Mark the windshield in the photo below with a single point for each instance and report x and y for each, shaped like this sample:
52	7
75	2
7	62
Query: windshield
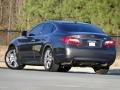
71	27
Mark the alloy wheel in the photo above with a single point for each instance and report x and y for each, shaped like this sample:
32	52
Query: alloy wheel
48	59
11	58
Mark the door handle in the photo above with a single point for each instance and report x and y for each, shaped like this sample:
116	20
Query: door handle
43	40
33	40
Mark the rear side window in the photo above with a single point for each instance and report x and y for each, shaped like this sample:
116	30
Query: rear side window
48	28
70	27
36	30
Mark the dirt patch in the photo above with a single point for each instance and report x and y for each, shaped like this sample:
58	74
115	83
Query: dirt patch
2	52
117	61
3	49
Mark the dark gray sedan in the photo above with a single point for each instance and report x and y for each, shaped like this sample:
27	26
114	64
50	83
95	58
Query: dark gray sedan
59	45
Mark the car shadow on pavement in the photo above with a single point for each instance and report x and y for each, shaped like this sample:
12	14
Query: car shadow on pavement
114	72
79	72
111	71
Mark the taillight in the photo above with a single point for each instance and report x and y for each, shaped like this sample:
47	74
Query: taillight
109	43
70	40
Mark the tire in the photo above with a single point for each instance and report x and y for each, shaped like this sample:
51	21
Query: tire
49	63
102	70
64	68
11	59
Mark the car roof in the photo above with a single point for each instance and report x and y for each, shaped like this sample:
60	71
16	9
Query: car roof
65	22
62	22
58	23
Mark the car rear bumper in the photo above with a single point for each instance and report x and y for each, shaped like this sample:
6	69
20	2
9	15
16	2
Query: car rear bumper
75	55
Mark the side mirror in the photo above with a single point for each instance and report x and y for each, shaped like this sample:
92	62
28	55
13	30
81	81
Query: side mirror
24	33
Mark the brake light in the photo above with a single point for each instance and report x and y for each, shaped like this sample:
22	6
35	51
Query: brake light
109	43
70	40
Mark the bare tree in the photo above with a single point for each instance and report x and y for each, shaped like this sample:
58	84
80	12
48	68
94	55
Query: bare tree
9	11
0	11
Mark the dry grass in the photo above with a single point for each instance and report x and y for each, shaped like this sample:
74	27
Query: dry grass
117	61
4	48
2	54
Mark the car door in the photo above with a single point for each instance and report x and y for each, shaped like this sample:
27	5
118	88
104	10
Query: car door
29	44
41	39
47	31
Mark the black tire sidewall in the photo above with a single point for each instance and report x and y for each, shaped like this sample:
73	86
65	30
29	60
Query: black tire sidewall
101	70
54	67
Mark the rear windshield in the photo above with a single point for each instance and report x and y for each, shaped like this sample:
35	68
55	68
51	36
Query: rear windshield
80	28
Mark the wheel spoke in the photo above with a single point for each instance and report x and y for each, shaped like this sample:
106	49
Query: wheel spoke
11	58
48	59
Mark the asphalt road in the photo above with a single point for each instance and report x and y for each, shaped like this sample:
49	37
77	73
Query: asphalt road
42	80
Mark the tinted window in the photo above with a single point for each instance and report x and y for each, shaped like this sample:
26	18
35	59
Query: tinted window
36	30
48	28
80	28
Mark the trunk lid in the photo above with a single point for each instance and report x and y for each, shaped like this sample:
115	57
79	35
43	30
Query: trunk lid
90	40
